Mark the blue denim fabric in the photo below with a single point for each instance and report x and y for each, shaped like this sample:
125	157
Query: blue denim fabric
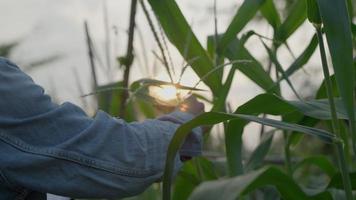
58	149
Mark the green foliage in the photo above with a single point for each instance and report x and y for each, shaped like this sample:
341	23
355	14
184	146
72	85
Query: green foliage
297	117
269	11
320	161
257	156
178	31
302	59
253	69
211	118
245	13
336	24
232	188
245	176
295	18
109	100
313	12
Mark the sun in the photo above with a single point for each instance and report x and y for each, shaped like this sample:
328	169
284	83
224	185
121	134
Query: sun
164	92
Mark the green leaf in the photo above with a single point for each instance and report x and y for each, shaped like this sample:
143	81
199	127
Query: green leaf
350	8
146	108
336	181
353	29
211	118
317	109
320	161
338	34
260	152
244	15
272	55
269	11
295	18
321	93
109	101
313	12
219	104
320	109
233	188
151	193
234	129
178	30
302	59
191	175
253	70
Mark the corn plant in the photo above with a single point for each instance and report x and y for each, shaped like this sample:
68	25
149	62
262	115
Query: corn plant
333	104
329	116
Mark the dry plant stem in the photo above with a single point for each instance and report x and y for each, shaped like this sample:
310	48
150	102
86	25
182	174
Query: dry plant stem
91	55
335	123
167	50
80	89
144	50
160	46
107	35
129	57
215	35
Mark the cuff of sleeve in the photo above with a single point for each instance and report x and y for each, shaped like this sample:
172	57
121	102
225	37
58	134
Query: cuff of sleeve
193	143
178	117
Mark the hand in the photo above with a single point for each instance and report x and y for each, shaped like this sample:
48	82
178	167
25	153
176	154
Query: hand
192	106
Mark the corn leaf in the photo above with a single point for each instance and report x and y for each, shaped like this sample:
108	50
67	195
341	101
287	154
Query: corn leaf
269	11
318	109
178	30
313	12
234	128
295	18
320	161
272	55
338	34
219	104
211	118
232	188
336	181
260	152
109	101
244	15
321	93
253	69
191	175
302	59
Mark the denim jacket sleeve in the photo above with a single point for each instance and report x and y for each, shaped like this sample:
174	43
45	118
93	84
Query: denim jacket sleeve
58	149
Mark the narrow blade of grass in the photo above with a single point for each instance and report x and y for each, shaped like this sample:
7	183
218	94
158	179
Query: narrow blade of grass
336	24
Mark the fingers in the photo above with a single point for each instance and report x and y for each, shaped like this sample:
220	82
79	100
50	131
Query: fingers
192	105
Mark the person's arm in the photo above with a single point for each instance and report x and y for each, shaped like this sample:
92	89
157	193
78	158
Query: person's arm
58	149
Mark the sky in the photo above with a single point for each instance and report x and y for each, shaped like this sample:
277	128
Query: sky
49	27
